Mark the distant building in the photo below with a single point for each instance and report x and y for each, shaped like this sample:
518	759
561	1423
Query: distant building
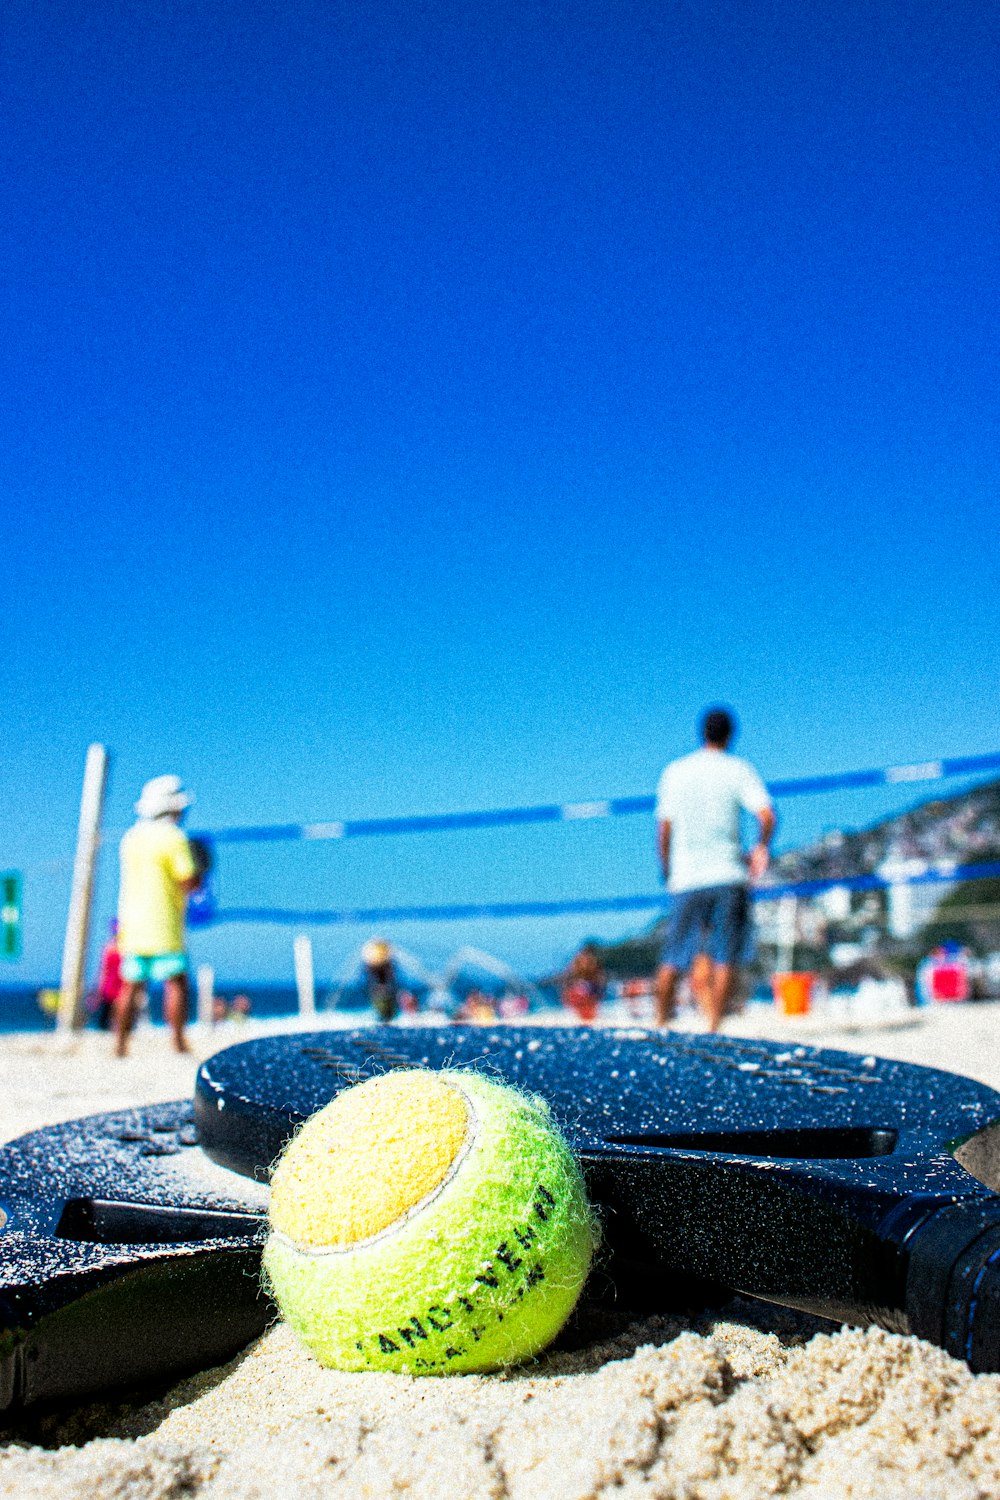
835	903
910	906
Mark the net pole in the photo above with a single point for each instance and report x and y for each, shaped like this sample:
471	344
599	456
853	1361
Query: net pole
788	912
205	984
88	838
305	979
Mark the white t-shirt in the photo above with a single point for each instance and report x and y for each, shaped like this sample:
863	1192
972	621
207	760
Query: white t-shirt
700	796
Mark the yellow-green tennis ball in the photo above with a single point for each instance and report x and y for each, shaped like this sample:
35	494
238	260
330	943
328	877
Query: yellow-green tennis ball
433	1223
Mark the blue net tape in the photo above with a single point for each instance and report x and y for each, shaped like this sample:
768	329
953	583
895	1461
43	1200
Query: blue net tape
612	807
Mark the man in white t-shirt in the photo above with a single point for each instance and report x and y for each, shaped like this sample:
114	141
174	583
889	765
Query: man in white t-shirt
698	805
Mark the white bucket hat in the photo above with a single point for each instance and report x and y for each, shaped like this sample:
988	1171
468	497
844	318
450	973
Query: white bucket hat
161	796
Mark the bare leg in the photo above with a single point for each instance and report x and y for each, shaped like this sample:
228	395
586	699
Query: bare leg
664	987
175	1009
717	993
700	980
126	1005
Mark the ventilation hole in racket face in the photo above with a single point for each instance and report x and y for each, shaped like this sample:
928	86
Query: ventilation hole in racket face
980	1155
101	1221
838	1143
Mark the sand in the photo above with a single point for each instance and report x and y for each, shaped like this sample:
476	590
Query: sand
738	1402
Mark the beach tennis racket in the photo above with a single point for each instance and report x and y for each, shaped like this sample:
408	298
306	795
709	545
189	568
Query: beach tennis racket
201	904
126	1256
853	1188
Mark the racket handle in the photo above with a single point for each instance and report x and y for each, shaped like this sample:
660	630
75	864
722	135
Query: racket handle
953	1282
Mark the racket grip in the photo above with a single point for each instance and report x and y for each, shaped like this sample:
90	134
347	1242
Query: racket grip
953	1282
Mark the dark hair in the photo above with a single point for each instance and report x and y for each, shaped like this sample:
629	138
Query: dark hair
718	726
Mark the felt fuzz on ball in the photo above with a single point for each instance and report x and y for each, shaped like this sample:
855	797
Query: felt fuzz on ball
428	1222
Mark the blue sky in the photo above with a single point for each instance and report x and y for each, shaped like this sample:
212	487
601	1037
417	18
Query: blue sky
411	409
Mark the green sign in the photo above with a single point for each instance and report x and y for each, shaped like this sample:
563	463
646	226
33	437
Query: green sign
10	915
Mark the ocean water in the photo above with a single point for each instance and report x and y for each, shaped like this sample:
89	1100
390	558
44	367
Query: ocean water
20	1010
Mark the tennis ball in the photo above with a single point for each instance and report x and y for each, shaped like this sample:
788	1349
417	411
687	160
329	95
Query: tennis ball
428	1222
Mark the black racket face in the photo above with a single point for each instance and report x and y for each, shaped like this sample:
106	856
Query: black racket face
126	1255
624	1095
792	1174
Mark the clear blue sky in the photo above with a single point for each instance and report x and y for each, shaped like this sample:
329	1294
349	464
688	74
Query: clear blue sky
416	408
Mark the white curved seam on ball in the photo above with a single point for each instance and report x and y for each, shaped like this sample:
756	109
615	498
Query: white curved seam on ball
471	1136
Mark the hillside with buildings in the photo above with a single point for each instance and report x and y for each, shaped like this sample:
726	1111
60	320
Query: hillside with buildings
959	830
894	926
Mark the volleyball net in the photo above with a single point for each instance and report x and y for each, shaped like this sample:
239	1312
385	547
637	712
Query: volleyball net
597	857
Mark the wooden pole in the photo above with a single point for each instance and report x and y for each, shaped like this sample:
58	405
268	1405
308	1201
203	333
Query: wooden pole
88	839
305	980
205	987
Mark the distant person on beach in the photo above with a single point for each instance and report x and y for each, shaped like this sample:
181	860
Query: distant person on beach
381	981
584	984
698	804
477	1009
109	982
158	869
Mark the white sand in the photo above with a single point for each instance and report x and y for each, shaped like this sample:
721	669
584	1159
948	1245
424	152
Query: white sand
748	1402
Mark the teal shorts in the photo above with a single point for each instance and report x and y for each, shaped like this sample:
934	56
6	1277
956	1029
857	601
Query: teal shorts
145	968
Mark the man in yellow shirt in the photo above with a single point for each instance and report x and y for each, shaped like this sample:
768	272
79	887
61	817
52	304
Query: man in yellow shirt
158	869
